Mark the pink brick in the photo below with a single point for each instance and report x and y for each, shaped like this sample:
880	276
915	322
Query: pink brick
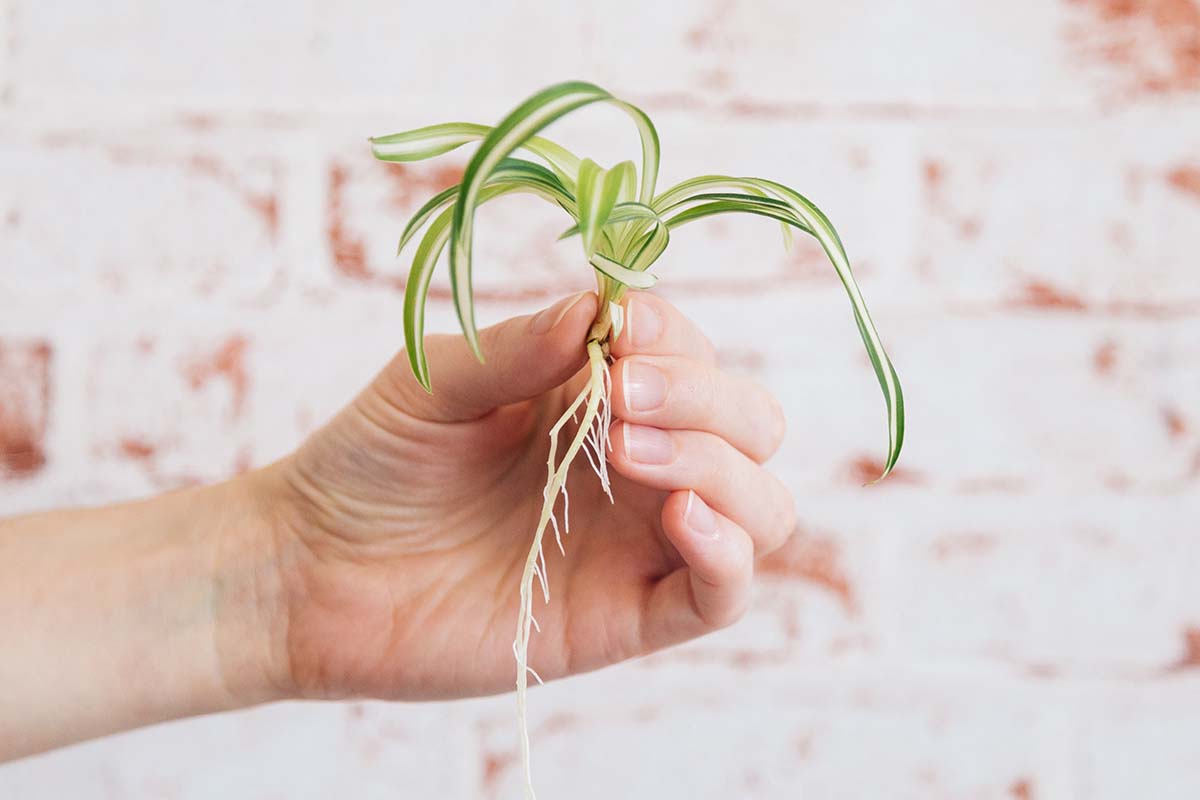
188	421
1139	50
25	397
1085	220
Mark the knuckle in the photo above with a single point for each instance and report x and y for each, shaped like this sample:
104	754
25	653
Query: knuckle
708	392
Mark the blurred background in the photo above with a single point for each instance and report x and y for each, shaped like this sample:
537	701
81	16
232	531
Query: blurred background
197	268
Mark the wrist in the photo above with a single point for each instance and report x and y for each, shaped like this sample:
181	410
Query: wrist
248	598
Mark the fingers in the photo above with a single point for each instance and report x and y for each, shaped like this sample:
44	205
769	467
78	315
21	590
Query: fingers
713	589
732	484
655	327
676	392
525	356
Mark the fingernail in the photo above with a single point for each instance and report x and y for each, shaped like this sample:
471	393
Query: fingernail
645	386
699	517
648	445
643	323
548	318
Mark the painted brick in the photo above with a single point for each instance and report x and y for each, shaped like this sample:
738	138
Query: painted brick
379	750
740	54
1090	586
995	198
777	732
517	257
200	380
978	418
25	396
1139	739
86	217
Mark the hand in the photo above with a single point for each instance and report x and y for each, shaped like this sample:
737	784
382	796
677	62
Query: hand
403	525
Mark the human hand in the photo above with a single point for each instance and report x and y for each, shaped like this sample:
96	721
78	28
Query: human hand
401	528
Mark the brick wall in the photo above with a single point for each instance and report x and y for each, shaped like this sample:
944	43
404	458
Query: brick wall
196	269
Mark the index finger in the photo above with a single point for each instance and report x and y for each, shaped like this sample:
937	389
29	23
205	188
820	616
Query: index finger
655	327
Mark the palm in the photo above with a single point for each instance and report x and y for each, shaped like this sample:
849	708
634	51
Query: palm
462	525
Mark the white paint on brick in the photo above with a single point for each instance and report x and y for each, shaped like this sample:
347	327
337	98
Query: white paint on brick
1021	590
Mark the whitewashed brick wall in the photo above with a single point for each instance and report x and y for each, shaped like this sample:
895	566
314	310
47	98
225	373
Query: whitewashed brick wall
191	228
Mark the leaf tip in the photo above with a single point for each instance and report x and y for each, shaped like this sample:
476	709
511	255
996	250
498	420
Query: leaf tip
887	470
473	342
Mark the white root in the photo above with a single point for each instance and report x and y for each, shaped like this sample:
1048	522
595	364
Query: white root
592	435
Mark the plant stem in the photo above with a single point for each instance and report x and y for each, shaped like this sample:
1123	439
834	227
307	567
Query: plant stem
601	328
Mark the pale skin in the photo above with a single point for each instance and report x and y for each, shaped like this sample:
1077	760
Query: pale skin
383	557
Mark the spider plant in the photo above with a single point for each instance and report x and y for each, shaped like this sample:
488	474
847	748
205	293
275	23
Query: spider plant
623	225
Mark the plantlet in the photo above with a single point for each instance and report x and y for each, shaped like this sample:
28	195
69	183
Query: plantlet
623	226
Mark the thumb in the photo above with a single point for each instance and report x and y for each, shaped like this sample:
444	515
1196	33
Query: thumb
525	357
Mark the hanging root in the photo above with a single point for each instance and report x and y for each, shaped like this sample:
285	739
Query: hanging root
592	438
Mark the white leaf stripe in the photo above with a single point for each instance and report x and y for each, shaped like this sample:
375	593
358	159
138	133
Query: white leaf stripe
622	212
427	142
650	149
587	196
599	190
653	247
621	273
434	140
510	169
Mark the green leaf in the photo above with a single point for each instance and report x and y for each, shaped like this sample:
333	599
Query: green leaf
622	274
511	169
767	206
653	245
650	149
831	242
427	142
425	261
512	132
803	214
434	140
730	206
597	193
708	183
436	203
622	212
417	290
